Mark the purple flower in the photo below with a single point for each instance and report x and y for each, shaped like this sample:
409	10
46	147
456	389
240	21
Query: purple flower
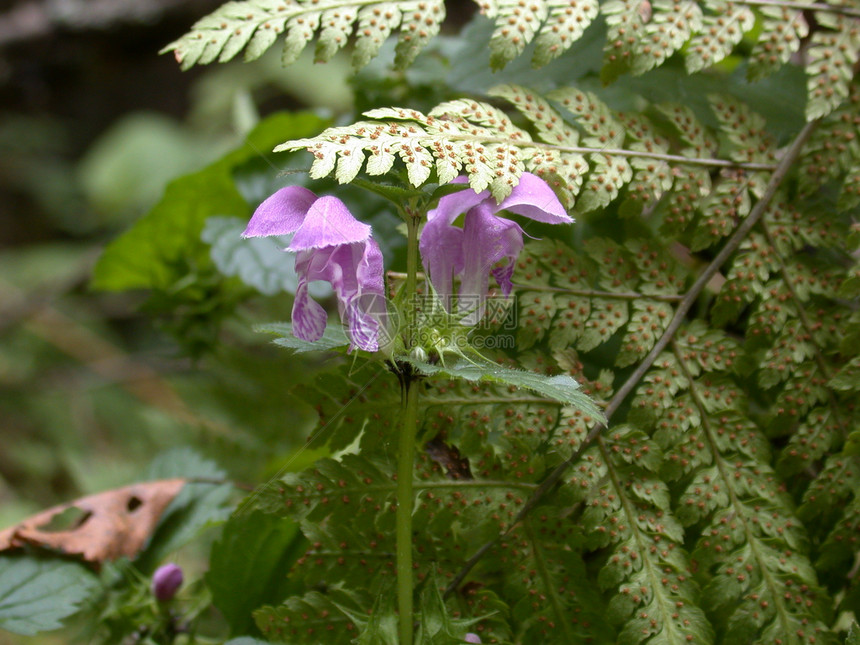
472	638
331	245
487	244
165	581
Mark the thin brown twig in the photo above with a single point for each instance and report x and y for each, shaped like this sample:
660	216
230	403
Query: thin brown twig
684	307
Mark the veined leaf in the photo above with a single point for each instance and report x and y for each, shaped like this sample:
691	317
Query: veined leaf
561	387
36	595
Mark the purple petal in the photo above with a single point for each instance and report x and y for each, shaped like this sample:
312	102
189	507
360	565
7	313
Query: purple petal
328	223
363	305
455	204
489	239
309	318
441	247
533	198
282	213
355	272
441	242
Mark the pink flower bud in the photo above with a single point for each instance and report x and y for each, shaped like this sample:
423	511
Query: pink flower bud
165	581
472	638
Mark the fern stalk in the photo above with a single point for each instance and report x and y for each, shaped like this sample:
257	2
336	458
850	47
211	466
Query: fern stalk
709	162
803	6
595	293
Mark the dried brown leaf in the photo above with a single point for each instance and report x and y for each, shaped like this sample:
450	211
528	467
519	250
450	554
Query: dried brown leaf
114	523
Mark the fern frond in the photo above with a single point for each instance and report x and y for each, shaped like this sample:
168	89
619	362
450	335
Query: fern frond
850	196
587	299
758	581
619	152
670	25
625	23
566	22
305	619
782	30
254	26
723	26
554	25
627	513
833	148
834	51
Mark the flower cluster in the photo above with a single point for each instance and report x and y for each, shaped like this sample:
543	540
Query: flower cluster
331	245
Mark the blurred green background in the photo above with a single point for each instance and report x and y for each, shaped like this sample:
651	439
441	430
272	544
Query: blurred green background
93	125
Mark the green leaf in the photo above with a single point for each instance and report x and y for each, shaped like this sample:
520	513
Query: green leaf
196	507
436	625
156	251
258	262
254	554
560	387
332	338
381	627
35	595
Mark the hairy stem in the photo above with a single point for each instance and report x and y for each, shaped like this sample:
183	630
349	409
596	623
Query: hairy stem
408	430
405	462
684	307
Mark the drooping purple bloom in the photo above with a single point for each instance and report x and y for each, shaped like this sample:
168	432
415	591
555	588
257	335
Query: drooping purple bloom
330	245
472	638
487	244
166	581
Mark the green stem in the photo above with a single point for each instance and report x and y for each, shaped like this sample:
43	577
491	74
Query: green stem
405	462
408	431
412	223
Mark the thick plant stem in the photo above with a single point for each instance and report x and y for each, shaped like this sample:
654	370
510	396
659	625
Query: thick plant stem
406	452
405	461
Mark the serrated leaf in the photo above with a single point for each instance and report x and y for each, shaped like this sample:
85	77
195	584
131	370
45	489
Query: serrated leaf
721	31
669	26
566	21
255	25
561	387
36	595
301	620
834	51
782	30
